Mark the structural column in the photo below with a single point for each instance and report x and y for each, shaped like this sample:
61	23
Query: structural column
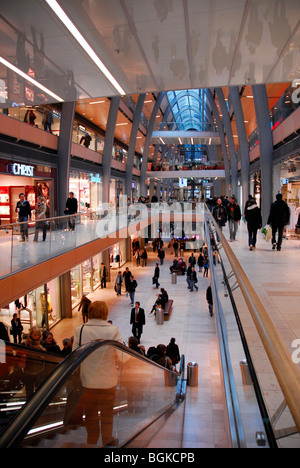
108	146
147	144
132	143
64	153
230	141
223	141
243	141
266	147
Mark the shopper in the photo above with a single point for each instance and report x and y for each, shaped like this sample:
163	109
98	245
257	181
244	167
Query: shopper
161	255
137	320
278	218
118	283
210	302
40	214
173	352
144	258
131	289
126	278
24	214
234	217
193	280
48	121
220	214
206	267
156	276
71	209
84	307
99	375
254	221
16	329
49	343
103	275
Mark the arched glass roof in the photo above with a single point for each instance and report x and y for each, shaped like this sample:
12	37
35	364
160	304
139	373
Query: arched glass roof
189	109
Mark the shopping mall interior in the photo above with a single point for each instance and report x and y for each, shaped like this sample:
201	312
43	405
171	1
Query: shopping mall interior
147	112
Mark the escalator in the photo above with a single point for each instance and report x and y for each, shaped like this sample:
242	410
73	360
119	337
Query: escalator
61	413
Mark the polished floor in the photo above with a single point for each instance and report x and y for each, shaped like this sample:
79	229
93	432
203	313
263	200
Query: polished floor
202	422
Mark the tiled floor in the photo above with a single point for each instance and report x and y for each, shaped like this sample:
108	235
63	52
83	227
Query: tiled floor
204	419
275	277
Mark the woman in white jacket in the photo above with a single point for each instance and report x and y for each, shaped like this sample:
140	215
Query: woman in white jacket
99	375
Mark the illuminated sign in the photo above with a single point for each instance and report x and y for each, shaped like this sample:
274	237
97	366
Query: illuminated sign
20	169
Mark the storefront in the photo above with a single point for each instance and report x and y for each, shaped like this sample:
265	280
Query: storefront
85	278
40	307
87	188
31	179
118	255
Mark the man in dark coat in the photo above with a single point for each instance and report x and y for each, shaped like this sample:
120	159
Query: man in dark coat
279	217
137	320
71	209
254	221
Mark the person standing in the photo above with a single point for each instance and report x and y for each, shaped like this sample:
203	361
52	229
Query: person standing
161	255
156	276
175	247
279	218
71	209
103	274
144	258
254	221
48	121
24	214
99	375
16	329
137	320
126	277
193	280
84	307
234	217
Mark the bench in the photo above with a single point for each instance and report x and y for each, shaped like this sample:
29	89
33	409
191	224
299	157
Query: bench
168	308
179	272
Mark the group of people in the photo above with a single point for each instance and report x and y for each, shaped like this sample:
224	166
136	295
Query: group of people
130	284
224	210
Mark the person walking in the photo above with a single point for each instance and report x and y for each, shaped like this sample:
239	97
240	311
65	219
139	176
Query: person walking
118	283
156	276
220	214
71	209
210	301
279	218
206	266
144	258
16	329
84	307
234	217
254	221
131	289
193	280
40	214
161	255
137	320
24	214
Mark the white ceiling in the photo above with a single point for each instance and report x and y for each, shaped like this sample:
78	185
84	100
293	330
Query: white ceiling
148	45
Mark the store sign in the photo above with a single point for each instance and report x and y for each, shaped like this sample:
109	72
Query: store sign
20	169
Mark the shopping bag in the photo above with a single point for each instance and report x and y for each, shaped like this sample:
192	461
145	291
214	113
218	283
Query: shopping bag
267	233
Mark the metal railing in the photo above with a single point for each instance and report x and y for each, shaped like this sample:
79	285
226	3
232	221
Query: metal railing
286	372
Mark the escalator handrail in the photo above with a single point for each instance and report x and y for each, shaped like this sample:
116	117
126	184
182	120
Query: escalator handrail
30	412
287	373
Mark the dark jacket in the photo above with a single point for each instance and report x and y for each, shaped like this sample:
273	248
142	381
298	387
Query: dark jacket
156	272
279	214
253	215
234	212
71	206
209	296
141	318
24	209
220	214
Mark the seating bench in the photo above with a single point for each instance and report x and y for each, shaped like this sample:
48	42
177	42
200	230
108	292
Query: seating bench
168	308
179	272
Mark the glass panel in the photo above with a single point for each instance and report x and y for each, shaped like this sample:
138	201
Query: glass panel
21	372
114	397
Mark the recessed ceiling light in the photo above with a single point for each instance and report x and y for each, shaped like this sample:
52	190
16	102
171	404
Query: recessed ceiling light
84	44
30	79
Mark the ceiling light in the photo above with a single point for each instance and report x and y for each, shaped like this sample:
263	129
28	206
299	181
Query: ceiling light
119	124
162	141
147	102
84	44
96	102
31	80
